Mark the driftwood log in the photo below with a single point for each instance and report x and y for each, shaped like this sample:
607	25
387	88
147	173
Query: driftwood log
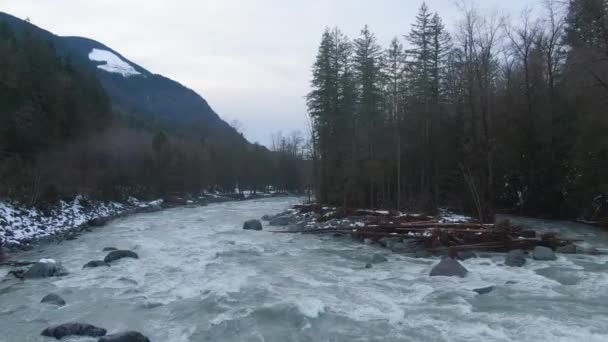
431	232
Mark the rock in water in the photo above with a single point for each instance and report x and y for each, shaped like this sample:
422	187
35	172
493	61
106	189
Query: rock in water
96	263
543	253
252	225
73	329
449	267
484	290
54	299
129	336
45	269
116	255
109	249
515	258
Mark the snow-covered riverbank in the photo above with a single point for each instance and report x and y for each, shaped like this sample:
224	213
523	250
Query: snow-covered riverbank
20	226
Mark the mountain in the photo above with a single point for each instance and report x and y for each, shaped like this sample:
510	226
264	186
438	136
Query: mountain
147	97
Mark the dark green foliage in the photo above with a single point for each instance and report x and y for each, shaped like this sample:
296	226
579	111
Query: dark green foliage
467	123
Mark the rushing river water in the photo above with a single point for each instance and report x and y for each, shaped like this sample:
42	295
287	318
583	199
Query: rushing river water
200	277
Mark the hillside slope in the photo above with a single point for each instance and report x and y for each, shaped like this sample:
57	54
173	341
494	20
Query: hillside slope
135	90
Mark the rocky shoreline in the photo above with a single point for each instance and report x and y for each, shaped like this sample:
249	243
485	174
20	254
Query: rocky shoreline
24	228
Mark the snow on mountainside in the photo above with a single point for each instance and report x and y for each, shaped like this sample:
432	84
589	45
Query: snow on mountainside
114	64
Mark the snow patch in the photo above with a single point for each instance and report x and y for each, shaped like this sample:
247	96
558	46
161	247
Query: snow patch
113	63
19	224
450	217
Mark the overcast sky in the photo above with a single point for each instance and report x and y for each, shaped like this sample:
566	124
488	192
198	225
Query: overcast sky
250	59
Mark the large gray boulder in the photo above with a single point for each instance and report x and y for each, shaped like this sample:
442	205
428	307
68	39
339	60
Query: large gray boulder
252	225
543	253
45	269
128	336
73	329
120	254
449	267
53	299
515	258
96	263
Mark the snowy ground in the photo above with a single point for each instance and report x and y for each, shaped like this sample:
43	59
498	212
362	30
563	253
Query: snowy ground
19	224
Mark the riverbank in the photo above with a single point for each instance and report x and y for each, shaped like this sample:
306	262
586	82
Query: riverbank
22	227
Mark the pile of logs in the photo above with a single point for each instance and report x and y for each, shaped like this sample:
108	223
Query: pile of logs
436	235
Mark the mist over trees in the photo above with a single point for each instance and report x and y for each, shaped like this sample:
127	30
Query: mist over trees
60	136
500	113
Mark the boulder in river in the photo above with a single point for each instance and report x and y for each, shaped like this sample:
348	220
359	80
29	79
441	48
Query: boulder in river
96	263
515	258
119	254
449	267
128	336
44	269
543	253
252	225
73	329
53	299
484	290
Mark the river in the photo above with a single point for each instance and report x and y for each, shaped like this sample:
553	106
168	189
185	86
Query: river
200	277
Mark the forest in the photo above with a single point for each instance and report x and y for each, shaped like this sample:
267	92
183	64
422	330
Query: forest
499	114
61	136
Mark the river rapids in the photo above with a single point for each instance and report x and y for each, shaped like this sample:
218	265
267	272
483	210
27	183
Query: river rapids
200	277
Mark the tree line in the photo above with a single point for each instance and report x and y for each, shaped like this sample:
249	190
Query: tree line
61	136
497	114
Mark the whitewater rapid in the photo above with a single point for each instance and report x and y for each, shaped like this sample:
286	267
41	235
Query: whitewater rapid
200	277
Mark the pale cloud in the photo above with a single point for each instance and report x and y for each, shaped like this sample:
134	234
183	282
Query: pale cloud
250	59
